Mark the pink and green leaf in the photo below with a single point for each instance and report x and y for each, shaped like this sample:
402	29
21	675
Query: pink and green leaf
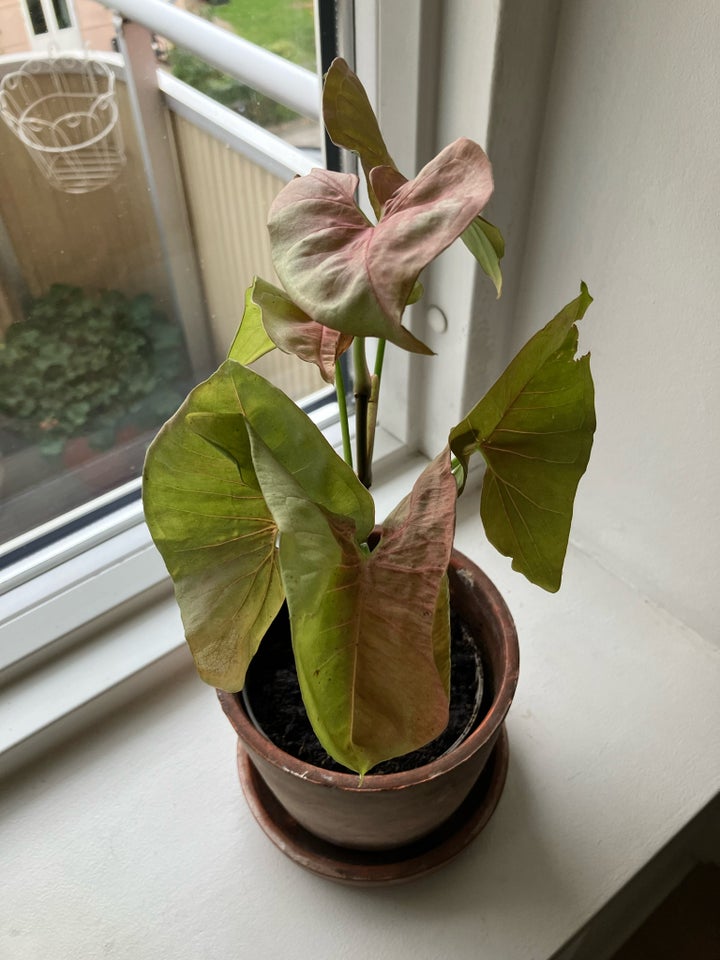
356	278
351	123
535	429
294	332
367	633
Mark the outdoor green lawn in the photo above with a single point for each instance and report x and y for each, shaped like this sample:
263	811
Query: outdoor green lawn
284	26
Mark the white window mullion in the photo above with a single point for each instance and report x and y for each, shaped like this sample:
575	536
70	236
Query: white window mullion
431	84
49	14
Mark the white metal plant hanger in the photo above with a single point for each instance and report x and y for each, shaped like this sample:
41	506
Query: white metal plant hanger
64	111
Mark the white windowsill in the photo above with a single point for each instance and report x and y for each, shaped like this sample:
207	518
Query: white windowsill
614	748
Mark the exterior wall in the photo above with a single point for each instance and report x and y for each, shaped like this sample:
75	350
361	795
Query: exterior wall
96	24
95	21
13	32
626	199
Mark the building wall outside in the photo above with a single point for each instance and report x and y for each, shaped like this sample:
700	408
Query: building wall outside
95	21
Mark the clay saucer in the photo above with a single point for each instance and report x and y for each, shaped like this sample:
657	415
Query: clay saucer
367	868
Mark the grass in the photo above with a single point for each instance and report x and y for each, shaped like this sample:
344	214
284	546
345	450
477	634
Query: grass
285	27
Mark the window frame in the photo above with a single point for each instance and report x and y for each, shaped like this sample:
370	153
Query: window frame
420	60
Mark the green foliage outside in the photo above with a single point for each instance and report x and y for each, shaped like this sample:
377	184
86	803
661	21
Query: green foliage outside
89	364
284	27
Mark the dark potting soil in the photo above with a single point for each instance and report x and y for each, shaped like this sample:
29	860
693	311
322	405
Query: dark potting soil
272	692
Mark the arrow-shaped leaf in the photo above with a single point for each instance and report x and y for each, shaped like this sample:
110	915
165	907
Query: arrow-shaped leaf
363	623
357	278
534	428
351	123
216	535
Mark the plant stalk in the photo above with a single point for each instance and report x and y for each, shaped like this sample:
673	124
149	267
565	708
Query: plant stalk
341	393
379	357
374	397
363	391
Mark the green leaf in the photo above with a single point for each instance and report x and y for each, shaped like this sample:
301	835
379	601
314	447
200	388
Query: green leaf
352	124
216	535
486	244
294	332
251	340
416	293
354	277
534	428
293	439
363	623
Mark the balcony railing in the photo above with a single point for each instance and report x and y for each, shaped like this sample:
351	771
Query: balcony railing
271	75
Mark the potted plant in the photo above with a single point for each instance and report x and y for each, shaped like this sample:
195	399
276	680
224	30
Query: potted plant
266	531
85	366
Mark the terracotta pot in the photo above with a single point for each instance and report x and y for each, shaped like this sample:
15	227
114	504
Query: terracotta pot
391	810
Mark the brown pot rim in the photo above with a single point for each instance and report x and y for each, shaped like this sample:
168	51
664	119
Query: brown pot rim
490	723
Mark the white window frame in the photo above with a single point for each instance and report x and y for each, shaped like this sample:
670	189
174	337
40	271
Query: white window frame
56	37
414	61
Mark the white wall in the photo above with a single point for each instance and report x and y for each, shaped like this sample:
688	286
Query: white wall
627	197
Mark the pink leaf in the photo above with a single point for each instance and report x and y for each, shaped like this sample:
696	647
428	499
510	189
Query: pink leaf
357	278
370	632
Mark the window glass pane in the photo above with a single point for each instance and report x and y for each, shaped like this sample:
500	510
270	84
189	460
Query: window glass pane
61	14
95	349
86	375
37	17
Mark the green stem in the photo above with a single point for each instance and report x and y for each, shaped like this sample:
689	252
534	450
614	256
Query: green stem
341	391
379	357
363	389
459	472
374	398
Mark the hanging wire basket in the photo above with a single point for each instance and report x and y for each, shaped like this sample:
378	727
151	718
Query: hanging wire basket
64	111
